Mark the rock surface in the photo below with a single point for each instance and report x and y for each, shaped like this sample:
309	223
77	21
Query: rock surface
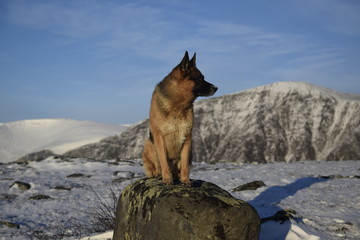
286	121
23	186
250	186
36	156
127	145
149	210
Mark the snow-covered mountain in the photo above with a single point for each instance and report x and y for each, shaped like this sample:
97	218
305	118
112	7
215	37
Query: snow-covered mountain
285	121
58	135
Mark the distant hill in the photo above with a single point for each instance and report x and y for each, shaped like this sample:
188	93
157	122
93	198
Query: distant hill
285	121
58	135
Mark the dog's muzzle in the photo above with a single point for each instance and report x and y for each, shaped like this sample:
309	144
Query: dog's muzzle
213	90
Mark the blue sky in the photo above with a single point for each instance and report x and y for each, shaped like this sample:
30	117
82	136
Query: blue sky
100	60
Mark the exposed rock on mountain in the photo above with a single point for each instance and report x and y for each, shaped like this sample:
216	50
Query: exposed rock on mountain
129	144
285	121
36	156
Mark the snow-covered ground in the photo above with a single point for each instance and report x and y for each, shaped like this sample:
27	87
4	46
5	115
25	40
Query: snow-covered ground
324	195
58	135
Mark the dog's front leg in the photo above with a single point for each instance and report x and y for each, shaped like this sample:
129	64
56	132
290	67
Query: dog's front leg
185	162
161	152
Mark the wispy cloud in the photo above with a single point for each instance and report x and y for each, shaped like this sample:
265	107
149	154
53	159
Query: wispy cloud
257	45
335	15
82	19
116	28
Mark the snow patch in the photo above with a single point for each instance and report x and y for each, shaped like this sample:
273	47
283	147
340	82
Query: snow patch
58	135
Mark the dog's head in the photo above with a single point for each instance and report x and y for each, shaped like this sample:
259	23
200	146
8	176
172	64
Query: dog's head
190	73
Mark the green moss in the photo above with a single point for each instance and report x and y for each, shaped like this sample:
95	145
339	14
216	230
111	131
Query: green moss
149	208
9	224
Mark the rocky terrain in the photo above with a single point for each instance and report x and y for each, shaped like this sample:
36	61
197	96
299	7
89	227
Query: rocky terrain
285	121
63	198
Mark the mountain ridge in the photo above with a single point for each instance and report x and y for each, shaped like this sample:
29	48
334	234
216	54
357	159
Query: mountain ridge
286	86
285	121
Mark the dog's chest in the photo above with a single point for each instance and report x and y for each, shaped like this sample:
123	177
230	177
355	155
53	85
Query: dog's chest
176	131
179	128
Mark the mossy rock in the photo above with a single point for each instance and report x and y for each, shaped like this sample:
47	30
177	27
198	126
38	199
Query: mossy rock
148	210
77	175
9	224
250	186
23	186
7	197
39	197
62	188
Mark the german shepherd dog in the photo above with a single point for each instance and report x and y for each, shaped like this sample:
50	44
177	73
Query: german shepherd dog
167	150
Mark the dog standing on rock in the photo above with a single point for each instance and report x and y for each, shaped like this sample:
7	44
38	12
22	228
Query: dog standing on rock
167	150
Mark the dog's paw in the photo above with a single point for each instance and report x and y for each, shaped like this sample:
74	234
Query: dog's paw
167	181
186	182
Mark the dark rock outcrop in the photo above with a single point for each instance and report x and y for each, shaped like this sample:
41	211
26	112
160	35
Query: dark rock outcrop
36	156
250	186
127	145
9	224
39	197
23	186
148	210
77	175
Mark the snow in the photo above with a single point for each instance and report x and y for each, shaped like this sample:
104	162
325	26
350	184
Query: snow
318	201
306	88
325	195
58	135
294	231
103	236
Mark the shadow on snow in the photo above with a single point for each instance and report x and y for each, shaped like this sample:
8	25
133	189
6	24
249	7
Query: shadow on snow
266	203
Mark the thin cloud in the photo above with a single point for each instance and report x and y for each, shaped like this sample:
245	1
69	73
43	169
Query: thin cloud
118	28
326	57
84	19
335	15
55	17
213	27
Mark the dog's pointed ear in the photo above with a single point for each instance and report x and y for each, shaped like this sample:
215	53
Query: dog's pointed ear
184	64
193	61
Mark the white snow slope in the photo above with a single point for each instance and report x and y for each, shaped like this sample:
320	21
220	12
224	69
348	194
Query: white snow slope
58	135
325	196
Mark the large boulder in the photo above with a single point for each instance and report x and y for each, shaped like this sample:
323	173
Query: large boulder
148	210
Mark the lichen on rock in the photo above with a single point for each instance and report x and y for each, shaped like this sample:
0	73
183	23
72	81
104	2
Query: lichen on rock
149	210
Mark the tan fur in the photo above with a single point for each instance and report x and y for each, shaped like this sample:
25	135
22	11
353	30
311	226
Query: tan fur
167	150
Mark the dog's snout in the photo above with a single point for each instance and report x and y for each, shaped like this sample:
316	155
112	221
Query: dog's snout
214	88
